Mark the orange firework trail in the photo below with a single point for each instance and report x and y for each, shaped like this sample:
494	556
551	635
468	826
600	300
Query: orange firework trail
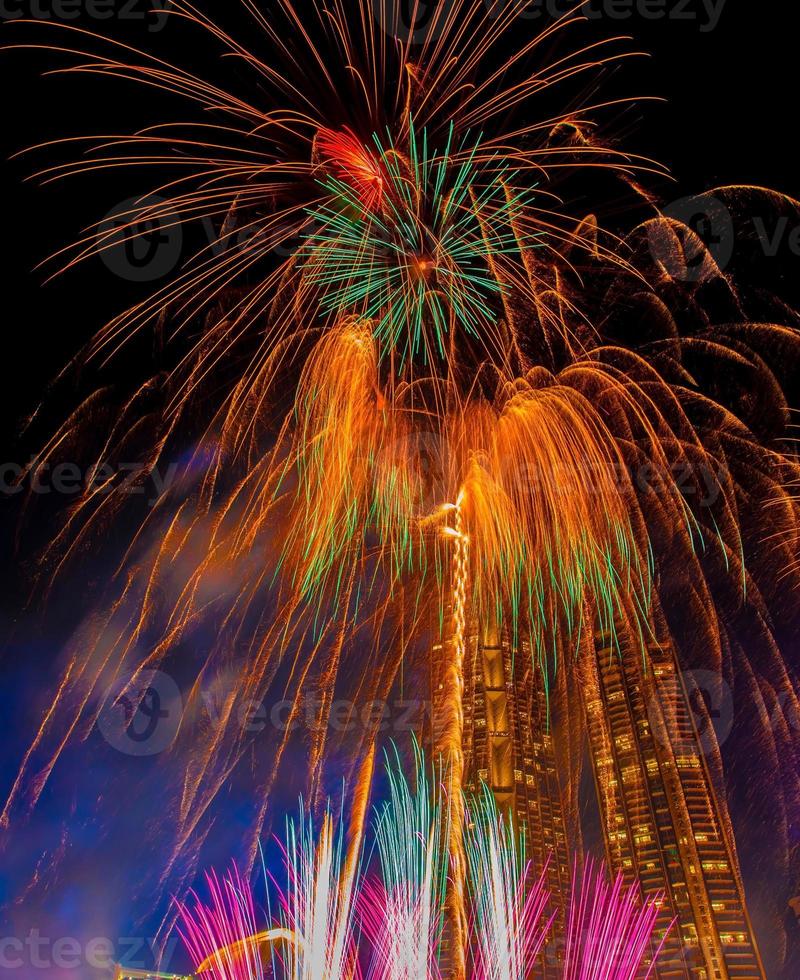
450	735
569	382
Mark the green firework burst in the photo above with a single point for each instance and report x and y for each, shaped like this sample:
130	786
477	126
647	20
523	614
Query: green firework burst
431	256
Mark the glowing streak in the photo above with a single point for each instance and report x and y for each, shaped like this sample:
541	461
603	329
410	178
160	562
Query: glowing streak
450	725
353	164
507	900
223	938
318	904
544	519
538	396
609	931
242	950
334	921
402	912
418	267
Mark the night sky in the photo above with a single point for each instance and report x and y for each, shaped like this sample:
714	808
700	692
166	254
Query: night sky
91	846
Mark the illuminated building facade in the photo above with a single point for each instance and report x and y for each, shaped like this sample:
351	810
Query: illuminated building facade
663	824
662	821
509	747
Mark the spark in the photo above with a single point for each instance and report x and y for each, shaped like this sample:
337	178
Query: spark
508	898
609	930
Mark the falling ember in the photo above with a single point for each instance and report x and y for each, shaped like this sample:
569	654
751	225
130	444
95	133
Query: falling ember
577	389
362	489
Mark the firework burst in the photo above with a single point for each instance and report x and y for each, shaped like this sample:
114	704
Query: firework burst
402	911
222	937
508	900
444	293
384	920
422	257
318	904
610	932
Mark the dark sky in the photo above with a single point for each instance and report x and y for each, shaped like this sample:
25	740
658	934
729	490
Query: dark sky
729	116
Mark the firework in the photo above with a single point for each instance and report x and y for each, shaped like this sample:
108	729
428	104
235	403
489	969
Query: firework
443	294
223	937
390	916
508	900
418	270
318	904
313	934
354	167
402	911
609	931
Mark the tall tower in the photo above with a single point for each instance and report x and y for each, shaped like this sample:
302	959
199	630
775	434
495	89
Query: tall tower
663	824
509	746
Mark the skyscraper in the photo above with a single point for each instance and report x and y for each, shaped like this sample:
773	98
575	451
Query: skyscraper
663	823
509	747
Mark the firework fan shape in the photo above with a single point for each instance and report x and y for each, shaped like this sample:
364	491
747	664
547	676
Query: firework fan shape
399	278
338	922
